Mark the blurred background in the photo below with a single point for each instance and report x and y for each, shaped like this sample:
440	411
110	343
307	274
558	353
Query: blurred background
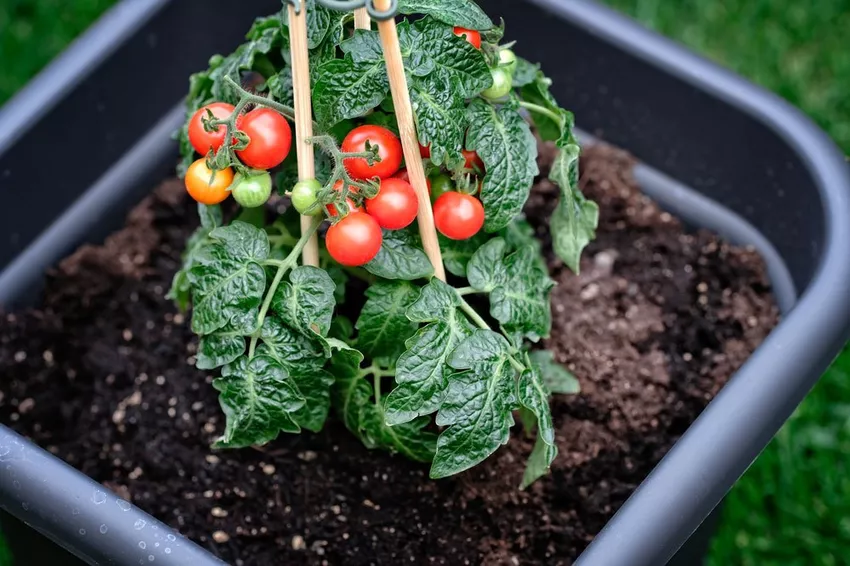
793	506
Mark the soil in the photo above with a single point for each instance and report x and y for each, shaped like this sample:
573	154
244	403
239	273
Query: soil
101	374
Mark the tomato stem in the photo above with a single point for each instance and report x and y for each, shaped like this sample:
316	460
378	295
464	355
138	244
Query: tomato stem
543	110
282	267
249	98
466	291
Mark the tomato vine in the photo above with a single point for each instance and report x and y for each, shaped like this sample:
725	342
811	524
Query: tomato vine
432	370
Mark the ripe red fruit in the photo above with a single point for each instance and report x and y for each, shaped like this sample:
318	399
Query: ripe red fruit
395	206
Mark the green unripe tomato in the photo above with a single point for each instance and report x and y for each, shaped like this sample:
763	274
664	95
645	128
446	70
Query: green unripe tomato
507	60
252	191
441	184
304	197
502	83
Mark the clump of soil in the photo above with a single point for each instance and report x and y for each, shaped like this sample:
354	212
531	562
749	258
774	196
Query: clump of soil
101	374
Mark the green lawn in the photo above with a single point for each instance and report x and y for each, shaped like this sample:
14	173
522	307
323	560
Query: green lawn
793	506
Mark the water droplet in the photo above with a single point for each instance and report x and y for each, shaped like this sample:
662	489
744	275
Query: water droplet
168	551
103	529
142	544
124	505
172	538
25	505
98	497
156	545
83	532
140	524
150	558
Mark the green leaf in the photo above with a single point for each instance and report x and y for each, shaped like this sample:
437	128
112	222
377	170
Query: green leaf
340	280
227	278
486	271
539	461
401	257
439	49
364	46
504	142
288	347
534	396
226	344
319	22
314	384
440	113
422	371
258	399
463	13
457	253
306	301
519	234
555	376
573	224
383	324
350	392
537	92
478	404
181	288
408	439
521	302
341	328
346	89
280	87
525	72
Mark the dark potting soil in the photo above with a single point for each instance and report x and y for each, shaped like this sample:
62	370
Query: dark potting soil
101	374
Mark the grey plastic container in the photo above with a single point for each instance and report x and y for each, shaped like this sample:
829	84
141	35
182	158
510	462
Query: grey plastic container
716	150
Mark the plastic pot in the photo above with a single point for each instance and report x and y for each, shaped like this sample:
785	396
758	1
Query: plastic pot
715	150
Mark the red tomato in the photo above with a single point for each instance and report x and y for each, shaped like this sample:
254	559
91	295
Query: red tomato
351	206
458	216
389	150
470	35
199	187
395	205
271	138
425	151
354	240
402	174
202	140
473	161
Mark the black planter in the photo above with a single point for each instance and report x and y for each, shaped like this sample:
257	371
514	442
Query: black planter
715	150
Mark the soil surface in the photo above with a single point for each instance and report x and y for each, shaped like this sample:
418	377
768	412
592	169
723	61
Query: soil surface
101	374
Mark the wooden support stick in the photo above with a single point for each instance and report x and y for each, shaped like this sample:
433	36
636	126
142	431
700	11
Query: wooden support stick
303	117
362	19
409	141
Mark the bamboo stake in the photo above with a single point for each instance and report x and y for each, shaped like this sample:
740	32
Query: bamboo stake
409	141
303	117
362	19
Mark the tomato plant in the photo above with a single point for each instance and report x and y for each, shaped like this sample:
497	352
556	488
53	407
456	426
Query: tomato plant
418	351
402	174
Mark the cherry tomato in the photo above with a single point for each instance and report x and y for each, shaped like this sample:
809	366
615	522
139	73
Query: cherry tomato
440	185
458	216
502	84
389	150
252	191
507	60
199	187
304	196
402	174
395	206
473	161
351	206
470	35
202	140
354	240
425	151
271	138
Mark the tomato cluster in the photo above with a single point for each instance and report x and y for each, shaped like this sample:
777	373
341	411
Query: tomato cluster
269	142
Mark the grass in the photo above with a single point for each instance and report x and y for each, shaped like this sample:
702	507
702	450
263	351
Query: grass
793	506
